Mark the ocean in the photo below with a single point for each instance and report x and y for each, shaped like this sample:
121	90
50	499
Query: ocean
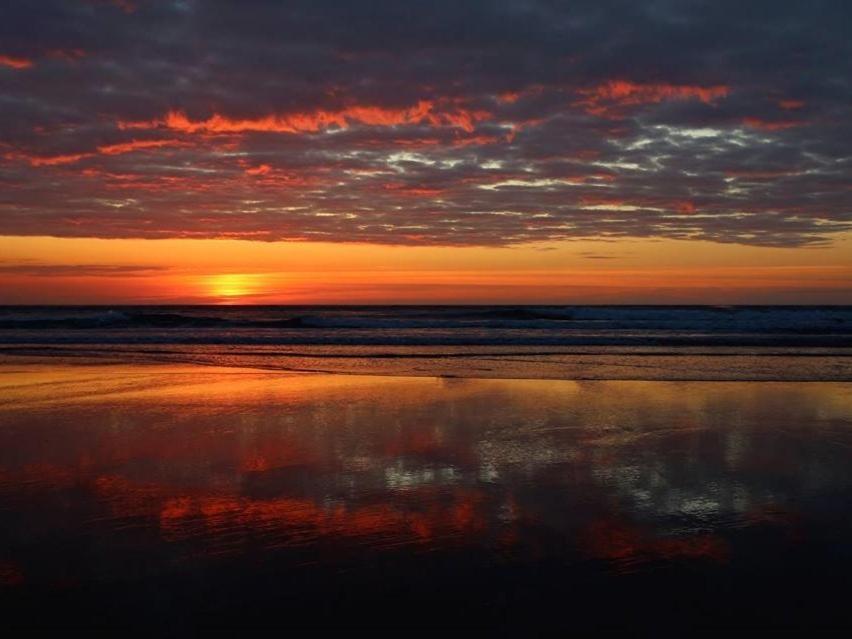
512	469
563	342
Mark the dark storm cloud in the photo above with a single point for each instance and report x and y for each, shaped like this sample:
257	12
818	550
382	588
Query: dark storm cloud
457	123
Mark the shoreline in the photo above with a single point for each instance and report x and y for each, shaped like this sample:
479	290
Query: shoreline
78	366
686	367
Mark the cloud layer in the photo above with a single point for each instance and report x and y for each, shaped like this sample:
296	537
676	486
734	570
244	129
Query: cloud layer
475	123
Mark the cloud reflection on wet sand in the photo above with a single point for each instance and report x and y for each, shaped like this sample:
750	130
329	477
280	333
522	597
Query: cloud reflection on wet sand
153	469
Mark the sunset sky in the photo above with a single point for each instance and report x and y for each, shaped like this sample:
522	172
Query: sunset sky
425	152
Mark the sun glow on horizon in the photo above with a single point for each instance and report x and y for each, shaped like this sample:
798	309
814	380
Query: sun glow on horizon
45	270
232	288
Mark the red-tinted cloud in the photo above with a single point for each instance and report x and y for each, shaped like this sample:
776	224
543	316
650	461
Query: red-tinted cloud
772	125
106	149
135	145
610	98
15	62
262	169
46	160
424	112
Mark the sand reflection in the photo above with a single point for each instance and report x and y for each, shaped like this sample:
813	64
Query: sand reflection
161	465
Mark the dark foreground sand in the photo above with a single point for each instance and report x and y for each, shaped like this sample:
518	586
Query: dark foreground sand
173	497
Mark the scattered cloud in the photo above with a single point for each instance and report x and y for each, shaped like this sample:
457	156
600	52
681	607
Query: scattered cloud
495	123
14	62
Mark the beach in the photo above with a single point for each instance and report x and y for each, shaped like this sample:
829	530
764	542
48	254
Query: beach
510	318
667	343
179	496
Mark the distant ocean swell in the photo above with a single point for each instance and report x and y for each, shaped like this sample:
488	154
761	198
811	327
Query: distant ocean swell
565	342
670	321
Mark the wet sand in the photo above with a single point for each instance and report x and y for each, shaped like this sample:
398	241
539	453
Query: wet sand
660	363
176	497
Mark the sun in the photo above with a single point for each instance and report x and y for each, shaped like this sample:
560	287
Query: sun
229	288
